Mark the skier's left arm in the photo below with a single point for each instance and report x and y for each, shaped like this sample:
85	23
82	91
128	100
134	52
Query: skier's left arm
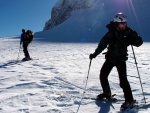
135	39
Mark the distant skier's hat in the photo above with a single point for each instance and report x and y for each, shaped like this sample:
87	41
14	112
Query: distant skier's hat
23	30
121	18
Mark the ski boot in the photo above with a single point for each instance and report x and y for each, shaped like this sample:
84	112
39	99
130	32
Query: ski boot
102	96
26	59
127	105
107	98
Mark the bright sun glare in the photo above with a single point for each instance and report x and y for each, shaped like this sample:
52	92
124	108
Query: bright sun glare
130	3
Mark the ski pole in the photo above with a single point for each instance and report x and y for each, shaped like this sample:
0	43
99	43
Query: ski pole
138	73
19	53
85	86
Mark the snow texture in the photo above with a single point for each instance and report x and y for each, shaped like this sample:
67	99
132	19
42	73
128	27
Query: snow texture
54	81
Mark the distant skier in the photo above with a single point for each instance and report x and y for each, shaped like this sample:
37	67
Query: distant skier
117	39
26	38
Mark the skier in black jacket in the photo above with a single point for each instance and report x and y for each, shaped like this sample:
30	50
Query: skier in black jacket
117	39
25	42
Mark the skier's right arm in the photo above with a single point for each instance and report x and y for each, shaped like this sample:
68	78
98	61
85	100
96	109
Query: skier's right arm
21	39
101	46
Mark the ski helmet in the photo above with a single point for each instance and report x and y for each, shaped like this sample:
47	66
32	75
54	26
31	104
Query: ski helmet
120	17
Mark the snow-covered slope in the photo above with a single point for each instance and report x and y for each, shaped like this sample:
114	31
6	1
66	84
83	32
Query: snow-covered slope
53	82
63	9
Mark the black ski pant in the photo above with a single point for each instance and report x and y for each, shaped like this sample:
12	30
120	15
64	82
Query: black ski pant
25	49
124	84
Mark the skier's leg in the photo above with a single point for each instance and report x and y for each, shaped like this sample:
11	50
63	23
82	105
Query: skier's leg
124	84
25	50
27	53
105	70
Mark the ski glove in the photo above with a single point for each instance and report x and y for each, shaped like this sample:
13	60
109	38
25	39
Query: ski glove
135	39
91	56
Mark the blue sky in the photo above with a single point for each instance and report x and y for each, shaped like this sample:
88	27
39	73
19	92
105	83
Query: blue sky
28	14
32	14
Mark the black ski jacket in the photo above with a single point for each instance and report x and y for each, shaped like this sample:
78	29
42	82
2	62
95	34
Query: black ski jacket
117	42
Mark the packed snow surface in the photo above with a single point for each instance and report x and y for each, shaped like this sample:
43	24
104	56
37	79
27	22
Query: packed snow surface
54	80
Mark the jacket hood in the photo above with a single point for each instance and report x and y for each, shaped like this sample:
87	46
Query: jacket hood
111	25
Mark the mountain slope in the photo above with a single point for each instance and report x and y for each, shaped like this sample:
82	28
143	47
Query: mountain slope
63	9
85	20
81	26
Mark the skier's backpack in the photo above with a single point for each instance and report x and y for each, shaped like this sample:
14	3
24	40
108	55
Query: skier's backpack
29	36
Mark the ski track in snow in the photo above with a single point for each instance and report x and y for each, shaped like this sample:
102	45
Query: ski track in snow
54	80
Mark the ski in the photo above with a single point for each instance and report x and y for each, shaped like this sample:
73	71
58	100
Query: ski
112	99
138	106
